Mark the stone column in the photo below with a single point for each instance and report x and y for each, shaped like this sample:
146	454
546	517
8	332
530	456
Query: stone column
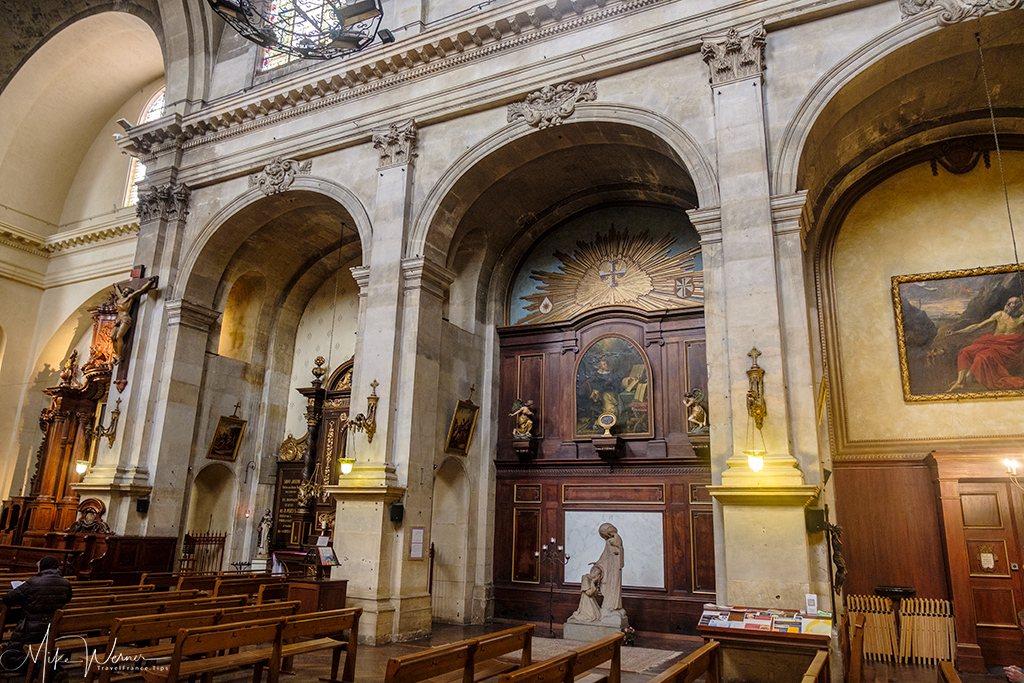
122	473
364	536
764	558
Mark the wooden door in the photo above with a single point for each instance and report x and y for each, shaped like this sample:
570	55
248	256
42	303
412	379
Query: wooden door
993	561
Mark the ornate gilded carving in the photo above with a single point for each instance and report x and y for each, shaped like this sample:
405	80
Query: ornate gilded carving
756	406
552	104
292	448
395	144
69	375
955	11
279	174
169	202
737	53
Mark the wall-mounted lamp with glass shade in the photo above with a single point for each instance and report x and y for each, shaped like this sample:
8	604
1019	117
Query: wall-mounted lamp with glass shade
757	410
81	466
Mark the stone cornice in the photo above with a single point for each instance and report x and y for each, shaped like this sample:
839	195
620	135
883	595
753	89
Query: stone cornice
361	274
188	314
708	224
419	273
955	11
110	227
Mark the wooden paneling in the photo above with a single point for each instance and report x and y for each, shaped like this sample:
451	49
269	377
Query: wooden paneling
981	511
526	544
527	493
995	607
703	549
891	530
530	386
613	493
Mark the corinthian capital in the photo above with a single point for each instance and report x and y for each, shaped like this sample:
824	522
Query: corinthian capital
169	202
396	144
737	53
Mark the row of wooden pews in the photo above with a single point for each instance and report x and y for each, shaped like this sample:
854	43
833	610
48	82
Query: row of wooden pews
118	632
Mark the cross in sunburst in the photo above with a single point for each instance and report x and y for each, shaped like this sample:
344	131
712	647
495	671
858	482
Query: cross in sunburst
610	274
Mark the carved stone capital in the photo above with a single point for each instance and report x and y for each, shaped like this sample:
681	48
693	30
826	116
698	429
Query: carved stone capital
188	314
419	273
737	53
279	174
955	11
552	104
361	274
168	202
395	144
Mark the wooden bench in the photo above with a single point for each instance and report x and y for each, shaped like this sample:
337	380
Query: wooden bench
947	673
133	639
268	642
818	671
573	665
246	586
704	661
469	661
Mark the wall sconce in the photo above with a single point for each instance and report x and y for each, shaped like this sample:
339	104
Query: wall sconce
367	423
1011	469
81	466
757	410
345	465
111	431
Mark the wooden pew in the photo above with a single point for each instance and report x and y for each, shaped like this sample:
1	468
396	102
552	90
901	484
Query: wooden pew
605	650
431	663
261	643
947	673
818	671
246	586
136	638
701	662
555	670
856	654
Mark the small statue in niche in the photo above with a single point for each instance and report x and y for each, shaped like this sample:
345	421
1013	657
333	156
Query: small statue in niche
70	371
522	411
590	585
696	412
123	298
263	534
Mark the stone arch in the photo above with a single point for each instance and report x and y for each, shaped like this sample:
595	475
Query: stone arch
787	161
432	229
204	259
450	534
211	499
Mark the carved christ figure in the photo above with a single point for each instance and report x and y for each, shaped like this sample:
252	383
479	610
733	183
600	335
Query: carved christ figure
124	297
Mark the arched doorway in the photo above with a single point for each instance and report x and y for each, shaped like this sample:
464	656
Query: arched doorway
449	534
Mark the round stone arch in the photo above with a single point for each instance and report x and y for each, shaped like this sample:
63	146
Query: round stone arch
203	260
426	239
786	167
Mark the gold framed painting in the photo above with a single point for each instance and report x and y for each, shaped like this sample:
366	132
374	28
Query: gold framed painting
460	433
960	333
226	438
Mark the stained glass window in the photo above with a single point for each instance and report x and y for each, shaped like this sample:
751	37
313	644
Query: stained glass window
137	171
284	8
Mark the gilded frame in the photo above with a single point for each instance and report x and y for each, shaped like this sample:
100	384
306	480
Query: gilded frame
226	438
460	433
929	369
618	347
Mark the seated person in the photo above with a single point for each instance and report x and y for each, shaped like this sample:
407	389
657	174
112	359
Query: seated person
39	598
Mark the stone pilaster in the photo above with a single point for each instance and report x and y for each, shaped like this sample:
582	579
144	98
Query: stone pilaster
364	536
763	548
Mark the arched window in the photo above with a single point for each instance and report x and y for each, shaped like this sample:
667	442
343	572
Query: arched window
137	171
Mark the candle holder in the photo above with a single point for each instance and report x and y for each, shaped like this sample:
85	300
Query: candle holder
554	555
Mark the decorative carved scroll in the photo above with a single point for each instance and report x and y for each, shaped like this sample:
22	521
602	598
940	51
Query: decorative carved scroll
279	174
292	448
552	104
955	11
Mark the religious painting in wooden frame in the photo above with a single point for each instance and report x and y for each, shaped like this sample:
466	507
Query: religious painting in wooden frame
460	433
960	333
226	438
613	377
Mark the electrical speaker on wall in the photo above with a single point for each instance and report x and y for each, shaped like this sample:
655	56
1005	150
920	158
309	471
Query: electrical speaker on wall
397	512
142	505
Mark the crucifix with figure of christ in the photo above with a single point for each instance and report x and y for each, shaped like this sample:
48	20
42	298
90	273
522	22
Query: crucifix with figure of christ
124	296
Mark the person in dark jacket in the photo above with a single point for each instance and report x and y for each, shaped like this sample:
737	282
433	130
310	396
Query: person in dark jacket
39	598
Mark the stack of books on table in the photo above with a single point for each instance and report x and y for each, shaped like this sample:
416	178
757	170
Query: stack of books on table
785	621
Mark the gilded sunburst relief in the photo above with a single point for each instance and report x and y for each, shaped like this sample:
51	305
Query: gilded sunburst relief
651	265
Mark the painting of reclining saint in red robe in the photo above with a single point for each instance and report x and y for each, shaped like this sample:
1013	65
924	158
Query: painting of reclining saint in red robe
960	333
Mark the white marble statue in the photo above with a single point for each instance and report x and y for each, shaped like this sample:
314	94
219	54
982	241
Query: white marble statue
611	562
589	610
263	534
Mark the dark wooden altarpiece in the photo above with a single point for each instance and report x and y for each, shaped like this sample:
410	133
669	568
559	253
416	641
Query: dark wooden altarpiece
657	465
313	457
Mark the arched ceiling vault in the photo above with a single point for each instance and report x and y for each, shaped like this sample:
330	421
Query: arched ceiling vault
923	93
57	104
524	188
